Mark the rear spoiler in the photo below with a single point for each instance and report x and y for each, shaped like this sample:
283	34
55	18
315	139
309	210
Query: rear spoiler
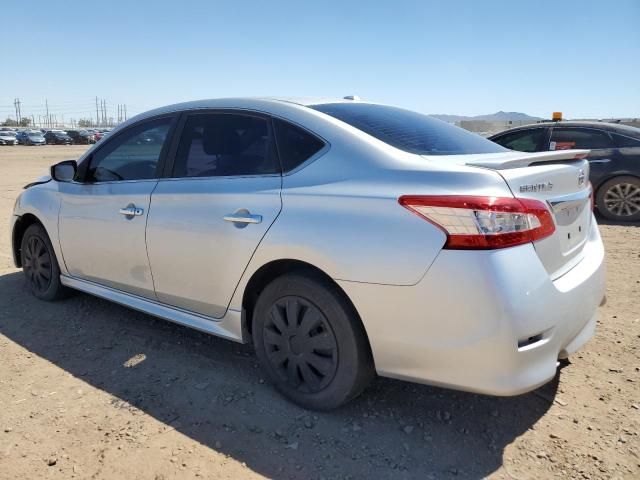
522	159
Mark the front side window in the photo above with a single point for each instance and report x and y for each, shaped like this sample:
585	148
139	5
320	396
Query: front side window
225	144
523	140
295	145
570	138
409	131
132	155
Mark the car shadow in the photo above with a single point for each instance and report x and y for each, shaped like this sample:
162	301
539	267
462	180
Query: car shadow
604	221
212	391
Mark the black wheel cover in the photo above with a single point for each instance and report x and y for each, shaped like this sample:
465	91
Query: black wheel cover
300	344
37	264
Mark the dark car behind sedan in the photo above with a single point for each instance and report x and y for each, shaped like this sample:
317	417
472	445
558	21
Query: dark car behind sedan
57	138
81	137
614	159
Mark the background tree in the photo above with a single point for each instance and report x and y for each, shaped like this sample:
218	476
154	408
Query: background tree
9	122
84	122
25	122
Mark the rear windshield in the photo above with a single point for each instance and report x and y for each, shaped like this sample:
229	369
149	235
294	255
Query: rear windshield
409	131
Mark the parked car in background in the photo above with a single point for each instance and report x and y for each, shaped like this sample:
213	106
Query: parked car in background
81	137
342	238
30	137
58	137
7	137
103	135
614	158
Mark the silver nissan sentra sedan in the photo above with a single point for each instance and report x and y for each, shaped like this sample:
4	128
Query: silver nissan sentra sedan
342	238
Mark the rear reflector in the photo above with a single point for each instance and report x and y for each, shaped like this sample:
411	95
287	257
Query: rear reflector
473	222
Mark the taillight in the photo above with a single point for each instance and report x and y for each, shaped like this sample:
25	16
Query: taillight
473	222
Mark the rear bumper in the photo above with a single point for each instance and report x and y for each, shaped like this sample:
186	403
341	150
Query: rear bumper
485	321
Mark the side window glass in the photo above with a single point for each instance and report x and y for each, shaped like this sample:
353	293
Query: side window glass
568	138
132	154
225	144
523	141
295	145
622	141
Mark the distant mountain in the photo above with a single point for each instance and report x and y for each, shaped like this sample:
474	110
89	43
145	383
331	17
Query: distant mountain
493	117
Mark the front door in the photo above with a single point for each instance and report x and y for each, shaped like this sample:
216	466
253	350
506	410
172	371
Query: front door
207	220
103	216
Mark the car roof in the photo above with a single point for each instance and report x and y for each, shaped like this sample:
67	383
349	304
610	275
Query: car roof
613	127
244	102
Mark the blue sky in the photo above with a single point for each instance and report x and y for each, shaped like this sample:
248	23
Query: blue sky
460	57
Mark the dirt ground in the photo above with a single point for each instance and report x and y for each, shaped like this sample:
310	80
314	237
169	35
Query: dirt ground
89	389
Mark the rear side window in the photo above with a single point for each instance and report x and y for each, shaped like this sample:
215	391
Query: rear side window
622	141
225	144
522	141
295	145
568	138
409	131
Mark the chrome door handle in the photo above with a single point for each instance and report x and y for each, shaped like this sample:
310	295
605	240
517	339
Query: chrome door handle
131	211
243	218
600	160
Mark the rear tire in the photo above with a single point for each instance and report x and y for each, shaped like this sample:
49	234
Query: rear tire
40	265
619	199
311	342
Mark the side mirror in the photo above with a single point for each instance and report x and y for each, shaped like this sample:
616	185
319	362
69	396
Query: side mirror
64	171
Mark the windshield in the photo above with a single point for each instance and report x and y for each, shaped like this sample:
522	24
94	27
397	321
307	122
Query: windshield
409	131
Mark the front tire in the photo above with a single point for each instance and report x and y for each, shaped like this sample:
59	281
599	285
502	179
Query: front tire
619	199
40	265
311	342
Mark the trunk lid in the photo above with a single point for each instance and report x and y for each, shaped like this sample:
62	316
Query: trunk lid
561	180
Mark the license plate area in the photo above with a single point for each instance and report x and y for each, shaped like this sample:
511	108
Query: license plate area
572	215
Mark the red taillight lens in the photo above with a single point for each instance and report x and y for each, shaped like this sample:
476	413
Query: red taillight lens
473	222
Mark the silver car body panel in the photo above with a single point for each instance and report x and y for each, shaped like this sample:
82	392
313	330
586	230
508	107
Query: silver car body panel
90	221
448	317
197	256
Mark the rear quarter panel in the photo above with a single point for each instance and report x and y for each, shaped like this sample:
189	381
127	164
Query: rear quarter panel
341	214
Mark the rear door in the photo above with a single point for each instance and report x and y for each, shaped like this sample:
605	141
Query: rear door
207	218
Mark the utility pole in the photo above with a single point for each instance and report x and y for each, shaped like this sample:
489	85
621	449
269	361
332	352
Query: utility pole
46	103
16	104
97	117
125	112
33	120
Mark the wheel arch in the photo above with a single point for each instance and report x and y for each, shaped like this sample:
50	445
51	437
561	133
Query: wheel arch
274	269
613	175
21	225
